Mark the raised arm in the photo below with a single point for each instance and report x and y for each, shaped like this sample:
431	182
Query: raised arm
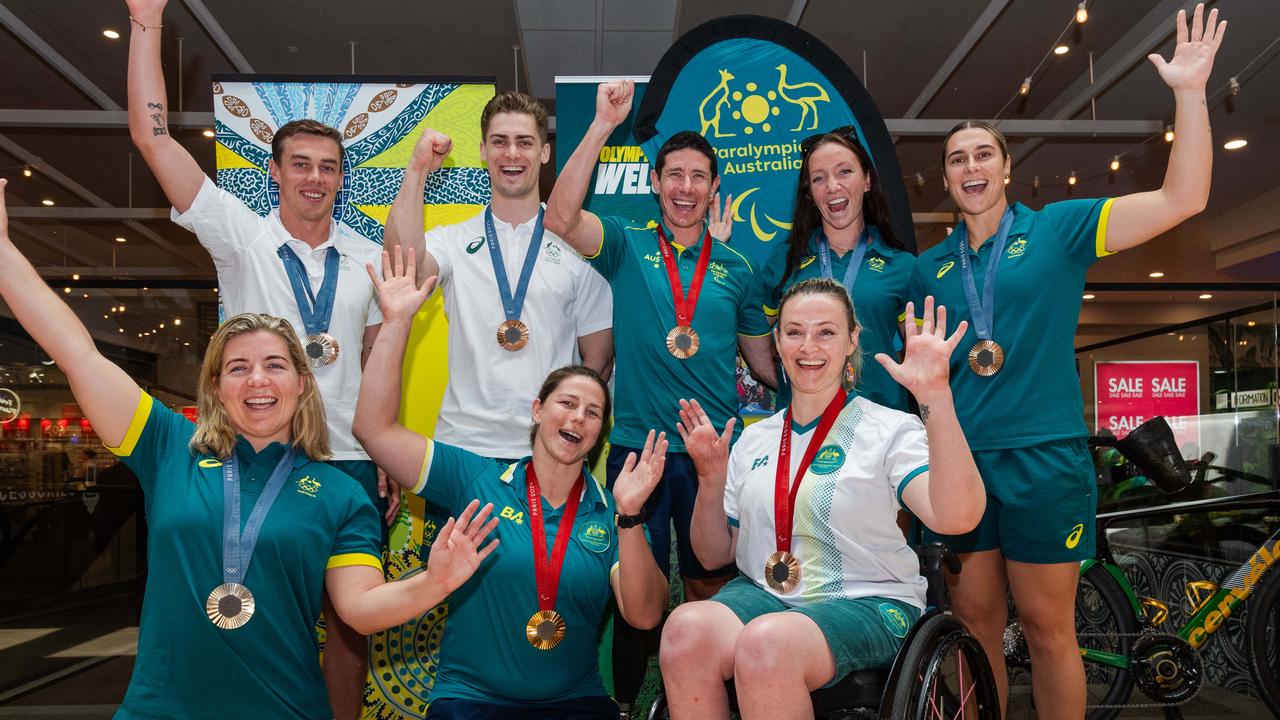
949	498
405	223
639	586
178	173
565	216
757	352
714	542
1135	219
393	447
106	393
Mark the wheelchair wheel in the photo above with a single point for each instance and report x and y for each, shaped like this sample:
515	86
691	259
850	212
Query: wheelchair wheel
1264	640
947	676
659	710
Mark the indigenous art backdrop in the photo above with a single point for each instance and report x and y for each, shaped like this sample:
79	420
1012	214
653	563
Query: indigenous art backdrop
380	120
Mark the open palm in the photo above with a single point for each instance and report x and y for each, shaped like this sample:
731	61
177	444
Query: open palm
399	296
924	366
1194	52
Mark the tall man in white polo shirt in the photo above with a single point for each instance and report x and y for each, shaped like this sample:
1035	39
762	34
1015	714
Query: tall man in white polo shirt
520	302
296	263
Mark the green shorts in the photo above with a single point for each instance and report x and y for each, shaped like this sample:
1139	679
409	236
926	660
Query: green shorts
1041	504
862	633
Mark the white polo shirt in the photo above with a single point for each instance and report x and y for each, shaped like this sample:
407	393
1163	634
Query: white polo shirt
252	278
487	402
844	530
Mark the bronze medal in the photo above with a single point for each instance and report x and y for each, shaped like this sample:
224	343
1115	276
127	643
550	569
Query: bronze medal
986	357
782	571
545	629
683	342
321	349
513	335
229	606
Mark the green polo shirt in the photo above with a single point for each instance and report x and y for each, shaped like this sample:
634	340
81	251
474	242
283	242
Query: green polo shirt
650	380
879	296
484	654
1036	396
187	667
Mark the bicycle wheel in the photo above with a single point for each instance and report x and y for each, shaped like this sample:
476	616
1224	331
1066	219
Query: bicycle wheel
1105	623
1263	633
948	678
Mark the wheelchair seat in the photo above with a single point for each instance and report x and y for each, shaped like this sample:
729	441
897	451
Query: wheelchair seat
858	689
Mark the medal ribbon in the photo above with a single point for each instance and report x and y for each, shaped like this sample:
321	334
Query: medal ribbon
983	312
316	310
547	570
783	502
237	546
684	305
512	304
855	262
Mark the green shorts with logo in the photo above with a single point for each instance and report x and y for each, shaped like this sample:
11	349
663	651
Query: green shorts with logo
1042	502
862	633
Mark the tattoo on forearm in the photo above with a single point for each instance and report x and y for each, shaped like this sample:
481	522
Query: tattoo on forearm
158	118
924	413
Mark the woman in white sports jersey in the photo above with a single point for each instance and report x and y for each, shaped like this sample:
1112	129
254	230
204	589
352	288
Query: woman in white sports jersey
806	505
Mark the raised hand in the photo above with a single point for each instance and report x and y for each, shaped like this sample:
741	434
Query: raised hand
613	101
708	447
638	477
928	350
456	552
398	293
720	218
432	148
145	10
1193	54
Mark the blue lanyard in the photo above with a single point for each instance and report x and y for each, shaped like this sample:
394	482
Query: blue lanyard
237	546
316	310
855	262
983	312
512	304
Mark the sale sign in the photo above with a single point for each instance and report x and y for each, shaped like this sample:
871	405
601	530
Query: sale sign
1127	393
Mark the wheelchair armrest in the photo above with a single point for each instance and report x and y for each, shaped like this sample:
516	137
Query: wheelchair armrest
934	556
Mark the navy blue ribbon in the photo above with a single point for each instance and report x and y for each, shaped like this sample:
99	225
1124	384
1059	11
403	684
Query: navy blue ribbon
316	309
850	272
982	311
512	304
237	545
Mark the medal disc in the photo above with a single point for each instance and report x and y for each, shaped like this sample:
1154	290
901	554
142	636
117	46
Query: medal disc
683	342
513	335
321	349
230	606
545	629
986	357
782	571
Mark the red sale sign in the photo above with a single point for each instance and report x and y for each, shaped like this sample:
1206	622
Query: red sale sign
1130	392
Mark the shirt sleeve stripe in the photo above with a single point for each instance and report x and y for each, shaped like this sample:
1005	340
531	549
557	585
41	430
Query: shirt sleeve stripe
1101	236
910	476
140	415
426	467
350	559
599	247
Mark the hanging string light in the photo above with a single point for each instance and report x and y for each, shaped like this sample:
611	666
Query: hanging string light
1082	13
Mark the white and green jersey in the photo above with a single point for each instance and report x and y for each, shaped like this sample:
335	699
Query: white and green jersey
845	533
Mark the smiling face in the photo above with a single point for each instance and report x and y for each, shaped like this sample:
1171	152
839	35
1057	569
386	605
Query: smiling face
514	152
309	175
974	170
837	183
569	420
259	387
815	342
684	187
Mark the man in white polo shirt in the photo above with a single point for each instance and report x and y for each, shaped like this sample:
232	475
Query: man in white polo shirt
520	302
295	263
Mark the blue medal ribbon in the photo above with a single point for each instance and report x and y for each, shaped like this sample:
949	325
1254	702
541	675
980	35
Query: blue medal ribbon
512	304
851	272
316	309
982	311
237	546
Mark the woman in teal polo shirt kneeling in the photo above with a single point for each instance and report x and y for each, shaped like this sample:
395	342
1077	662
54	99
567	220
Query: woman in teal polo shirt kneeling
521	641
247	524
1017	275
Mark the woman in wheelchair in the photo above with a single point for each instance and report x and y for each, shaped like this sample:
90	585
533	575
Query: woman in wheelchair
806	505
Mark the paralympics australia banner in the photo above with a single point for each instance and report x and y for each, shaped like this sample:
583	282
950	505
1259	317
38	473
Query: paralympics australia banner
755	87
380	120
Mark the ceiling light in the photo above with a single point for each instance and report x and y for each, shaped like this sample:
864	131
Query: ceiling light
1035	183
919	180
26	171
1168	133
110	34
75	276
1082	13
1232	144
177	321
1089	296
161	326
208	133
1115	163
1072	180
120	330
1251	323
1061	50
1026	86
1156	274
1205	296
85	296
66	291
1234	85
47	202
120	240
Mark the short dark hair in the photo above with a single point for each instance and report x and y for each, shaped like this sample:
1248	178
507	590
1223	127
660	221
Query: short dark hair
306	126
558	376
511	101
686	140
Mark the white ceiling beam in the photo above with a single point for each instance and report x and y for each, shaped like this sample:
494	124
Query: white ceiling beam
796	12
220	36
59	63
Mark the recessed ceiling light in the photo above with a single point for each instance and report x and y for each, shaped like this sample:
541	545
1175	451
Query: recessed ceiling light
47	202
1206	296
1234	144
1251	323
110	34
1089	296
208	133
75	276
120	240
1061	50
1156	274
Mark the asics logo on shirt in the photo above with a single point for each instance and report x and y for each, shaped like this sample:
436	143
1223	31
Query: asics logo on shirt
943	270
475	245
510	513
210	463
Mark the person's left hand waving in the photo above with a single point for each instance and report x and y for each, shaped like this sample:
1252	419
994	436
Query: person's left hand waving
456	552
924	366
399	296
1193	54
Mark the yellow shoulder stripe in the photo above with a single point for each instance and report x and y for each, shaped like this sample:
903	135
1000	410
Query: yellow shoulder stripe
1100	239
426	467
349	559
735	252
140	415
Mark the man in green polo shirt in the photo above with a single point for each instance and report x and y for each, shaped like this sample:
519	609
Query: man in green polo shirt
684	305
